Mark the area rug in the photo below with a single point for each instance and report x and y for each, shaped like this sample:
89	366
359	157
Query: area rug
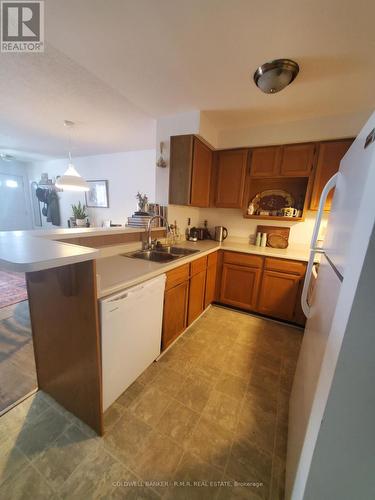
12	288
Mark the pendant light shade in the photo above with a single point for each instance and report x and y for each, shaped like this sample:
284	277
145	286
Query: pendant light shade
274	76
72	181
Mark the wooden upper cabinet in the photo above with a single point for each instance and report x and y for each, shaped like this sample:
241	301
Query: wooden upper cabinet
265	162
201	174
328	163
297	160
190	171
230	178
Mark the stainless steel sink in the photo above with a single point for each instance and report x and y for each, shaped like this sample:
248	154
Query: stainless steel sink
176	250
161	254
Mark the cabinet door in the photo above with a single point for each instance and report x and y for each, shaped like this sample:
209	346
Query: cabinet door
297	160
329	157
265	162
175	313
239	286
278	294
201	175
230	181
210	280
196	296
180	169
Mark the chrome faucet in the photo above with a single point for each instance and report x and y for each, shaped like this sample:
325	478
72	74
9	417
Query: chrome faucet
149	243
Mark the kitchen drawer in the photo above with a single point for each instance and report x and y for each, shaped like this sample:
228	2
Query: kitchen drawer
285	266
212	259
177	276
243	259
198	265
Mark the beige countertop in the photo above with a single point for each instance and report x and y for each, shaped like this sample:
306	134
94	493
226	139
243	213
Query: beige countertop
118	272
35	250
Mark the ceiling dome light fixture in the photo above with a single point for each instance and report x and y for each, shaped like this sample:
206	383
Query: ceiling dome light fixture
71	180
274	76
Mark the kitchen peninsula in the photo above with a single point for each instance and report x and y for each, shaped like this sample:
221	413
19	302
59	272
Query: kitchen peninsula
67	270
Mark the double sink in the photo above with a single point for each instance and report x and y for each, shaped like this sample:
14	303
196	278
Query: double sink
161	254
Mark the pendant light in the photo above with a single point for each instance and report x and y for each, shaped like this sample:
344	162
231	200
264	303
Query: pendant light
274	76
71	180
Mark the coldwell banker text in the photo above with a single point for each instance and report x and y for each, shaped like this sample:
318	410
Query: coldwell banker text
22	26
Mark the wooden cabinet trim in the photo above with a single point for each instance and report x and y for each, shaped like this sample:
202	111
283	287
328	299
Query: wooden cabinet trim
285	266
201	174
249	297
198	265
196	296
284	305
243	259
177	276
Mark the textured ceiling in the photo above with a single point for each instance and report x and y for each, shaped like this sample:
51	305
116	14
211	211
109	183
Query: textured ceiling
114	66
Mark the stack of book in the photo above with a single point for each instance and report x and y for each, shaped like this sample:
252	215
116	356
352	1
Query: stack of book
141	219
138	220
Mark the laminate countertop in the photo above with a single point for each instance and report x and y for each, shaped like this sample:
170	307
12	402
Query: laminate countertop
114	273
35	250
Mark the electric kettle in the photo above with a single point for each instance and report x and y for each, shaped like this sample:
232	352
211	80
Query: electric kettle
221	233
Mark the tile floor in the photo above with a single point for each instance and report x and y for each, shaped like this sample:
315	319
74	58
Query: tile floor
17	364
212	411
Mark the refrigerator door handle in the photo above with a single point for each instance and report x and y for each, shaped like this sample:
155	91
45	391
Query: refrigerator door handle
323	198
313	248
306	284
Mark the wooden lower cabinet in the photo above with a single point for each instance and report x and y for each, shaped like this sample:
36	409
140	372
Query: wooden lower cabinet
196	296
210	292
175	313
240	286
278	294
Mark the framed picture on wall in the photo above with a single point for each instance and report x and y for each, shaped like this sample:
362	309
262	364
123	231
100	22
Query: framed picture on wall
97	197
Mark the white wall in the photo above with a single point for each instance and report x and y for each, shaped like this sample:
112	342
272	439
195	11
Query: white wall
313	129
126	173
18	168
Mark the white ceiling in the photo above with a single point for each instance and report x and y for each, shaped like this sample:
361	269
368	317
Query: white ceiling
113	66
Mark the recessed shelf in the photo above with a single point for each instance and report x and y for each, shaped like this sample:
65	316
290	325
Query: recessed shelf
274	217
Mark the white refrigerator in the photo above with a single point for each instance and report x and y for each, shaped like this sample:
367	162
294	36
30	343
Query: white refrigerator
331	436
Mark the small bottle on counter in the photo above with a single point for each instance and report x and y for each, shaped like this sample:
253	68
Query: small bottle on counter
187	231
258	239
263	242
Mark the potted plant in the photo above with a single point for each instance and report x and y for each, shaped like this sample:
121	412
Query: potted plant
79	212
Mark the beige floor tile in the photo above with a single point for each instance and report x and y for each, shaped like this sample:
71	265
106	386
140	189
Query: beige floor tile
223	410
112	415
159	459
64	455
211	443
278	480
194	479
168	381
150	406
202	370
127	438
95	478
178	422
12	460
249	463
231	385
194	393
257	399
238	366
35	438
27	484
264	381
232	491
131	393
149	374
256	426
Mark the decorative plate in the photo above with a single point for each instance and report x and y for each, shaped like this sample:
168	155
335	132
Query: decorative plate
272	199
275	240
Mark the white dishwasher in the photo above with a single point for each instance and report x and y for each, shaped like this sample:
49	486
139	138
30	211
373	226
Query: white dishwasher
131	323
